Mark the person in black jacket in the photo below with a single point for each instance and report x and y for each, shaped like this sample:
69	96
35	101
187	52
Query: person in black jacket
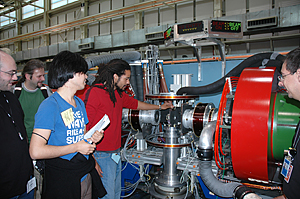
290	80
16	165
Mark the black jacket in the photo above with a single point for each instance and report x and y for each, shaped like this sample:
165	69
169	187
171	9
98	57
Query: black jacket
62	178
15	165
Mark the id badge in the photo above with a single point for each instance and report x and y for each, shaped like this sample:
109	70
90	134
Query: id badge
287	168
115	157
31	184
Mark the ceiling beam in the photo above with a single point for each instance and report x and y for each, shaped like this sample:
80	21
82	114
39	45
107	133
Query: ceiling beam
98	17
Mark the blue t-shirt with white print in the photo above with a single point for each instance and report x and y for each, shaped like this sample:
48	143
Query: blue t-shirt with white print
49	117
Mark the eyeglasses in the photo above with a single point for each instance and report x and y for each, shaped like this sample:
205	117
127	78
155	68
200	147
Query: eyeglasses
281	77
14	72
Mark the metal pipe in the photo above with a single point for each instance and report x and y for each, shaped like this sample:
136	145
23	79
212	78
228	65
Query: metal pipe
213	58
145	81
169	177
139	83
163	85
206	136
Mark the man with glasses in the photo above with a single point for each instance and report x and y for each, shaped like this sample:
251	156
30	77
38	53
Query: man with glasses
16	164
31	91
290	80
7	82
12	73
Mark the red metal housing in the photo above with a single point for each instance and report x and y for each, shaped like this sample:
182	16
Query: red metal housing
250	137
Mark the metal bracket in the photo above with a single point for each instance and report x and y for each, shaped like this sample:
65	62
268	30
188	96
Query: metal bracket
221	47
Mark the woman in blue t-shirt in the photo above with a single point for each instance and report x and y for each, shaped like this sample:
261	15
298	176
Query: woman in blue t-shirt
58	135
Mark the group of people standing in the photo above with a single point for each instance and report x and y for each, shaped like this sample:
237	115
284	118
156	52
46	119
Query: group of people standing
40	125
36	124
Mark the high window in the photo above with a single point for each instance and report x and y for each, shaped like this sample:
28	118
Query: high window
7	18
58	3
34	9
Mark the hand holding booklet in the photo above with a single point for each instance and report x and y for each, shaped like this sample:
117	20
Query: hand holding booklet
98	127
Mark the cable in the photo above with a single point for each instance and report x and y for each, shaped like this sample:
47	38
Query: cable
187	189
135	185
124	167
140	170
125	149
218	133
187	164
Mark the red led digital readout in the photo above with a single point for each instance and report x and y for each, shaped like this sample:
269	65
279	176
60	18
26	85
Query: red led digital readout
226	26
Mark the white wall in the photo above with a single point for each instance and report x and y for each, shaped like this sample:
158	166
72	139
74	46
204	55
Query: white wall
204	10
235	7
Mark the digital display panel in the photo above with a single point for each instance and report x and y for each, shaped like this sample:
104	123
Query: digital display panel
226	26
190	27
168	34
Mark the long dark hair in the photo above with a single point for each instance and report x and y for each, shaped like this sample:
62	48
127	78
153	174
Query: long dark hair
106	76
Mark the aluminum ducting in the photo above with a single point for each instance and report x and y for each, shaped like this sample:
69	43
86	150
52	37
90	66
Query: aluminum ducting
127	56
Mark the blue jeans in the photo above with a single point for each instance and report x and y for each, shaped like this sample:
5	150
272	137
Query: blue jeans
30	195
111	174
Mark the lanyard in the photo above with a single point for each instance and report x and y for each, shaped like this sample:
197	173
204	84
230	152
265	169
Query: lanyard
9	114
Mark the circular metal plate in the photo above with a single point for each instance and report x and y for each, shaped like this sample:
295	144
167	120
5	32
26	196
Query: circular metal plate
171	96
166	145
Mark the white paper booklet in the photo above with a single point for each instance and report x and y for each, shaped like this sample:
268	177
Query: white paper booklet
98	127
